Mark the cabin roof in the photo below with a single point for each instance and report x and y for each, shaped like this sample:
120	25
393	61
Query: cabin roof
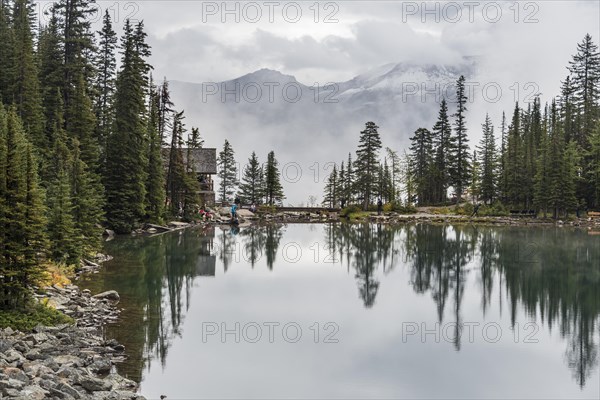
204	160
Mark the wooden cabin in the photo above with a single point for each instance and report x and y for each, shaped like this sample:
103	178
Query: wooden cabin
204	162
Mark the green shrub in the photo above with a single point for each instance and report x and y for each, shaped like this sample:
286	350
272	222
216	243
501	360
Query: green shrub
352	209
495	210
466	209
441	211
404	209
38	314
266	209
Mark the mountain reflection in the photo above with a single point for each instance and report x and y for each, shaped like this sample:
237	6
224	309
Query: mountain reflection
548	273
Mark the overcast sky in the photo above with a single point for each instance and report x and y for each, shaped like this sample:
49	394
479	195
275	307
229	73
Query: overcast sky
523	46
200	41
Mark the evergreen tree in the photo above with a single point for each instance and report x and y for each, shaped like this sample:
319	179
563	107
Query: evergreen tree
585	70
341	183
556	159
475	187
273	188
567	108
22	236
155	185
460	155
227	173
176	175
104	85
503	159
570	177
126	146
331	189
51	78
488	162
514	160
165	110
542	176
251	192
7	58
395	171
593	156
421	159
367	164
349	182
442	143
88	203
26	88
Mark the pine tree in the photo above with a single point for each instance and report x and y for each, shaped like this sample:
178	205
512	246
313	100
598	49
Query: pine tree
514	160
542	177
227	173
421	159
7	58
331	189
475	186
488	162
87	201
165	110
51	78
26	88
342	185
442	143
77	40
460	155
126	147
556	159
367	163
503	159
104	85
593	156
176	173
570	177
155	185
273	188
250	189
396	172
349	188
21	213
585	70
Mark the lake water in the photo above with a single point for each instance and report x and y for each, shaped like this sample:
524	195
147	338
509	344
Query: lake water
358	311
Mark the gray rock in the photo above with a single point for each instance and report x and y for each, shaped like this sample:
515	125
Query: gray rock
110	295
12	392
69	373
68	390
101	366
68	360
16	373
121	383
35	354
12	356
95	384
34	393
37	370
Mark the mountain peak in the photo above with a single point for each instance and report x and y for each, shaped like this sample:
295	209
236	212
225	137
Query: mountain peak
266	75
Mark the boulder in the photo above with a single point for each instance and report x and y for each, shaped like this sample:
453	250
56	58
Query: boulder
95	384
110	295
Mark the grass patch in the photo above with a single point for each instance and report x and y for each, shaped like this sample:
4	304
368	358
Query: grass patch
29	318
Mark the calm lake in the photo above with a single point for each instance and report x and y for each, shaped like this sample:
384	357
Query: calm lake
358	311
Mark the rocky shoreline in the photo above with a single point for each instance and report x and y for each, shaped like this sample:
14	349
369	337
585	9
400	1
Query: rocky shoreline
66	361
396	218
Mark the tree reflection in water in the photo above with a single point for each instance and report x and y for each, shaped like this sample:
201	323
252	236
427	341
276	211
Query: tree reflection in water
536	269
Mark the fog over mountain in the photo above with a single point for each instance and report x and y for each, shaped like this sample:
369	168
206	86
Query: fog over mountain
311	125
